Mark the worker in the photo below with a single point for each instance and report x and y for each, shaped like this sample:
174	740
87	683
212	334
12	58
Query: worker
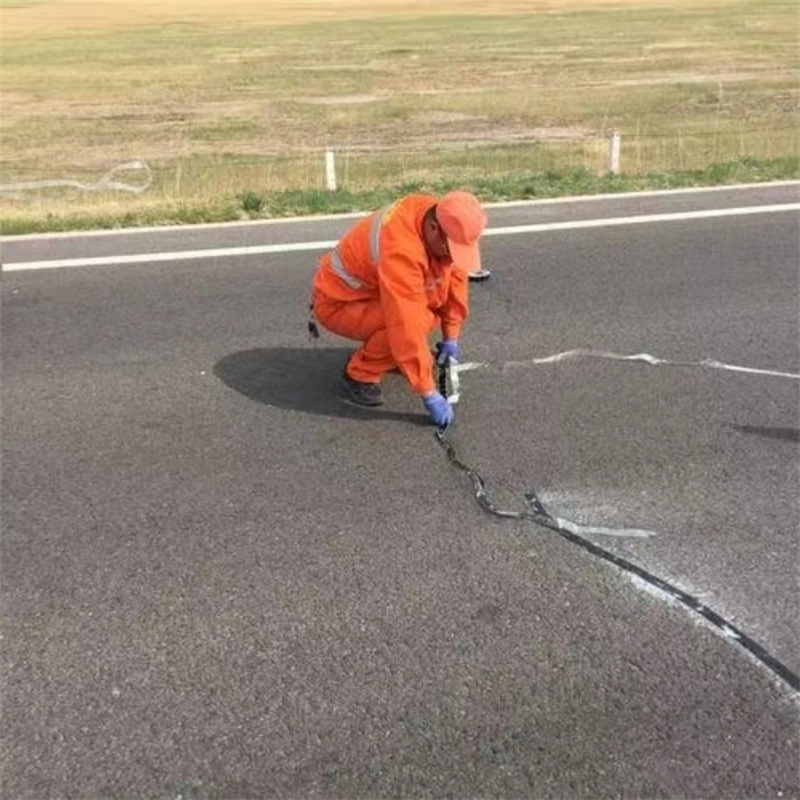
394	278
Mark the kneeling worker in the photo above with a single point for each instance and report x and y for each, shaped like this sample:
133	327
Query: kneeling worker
397	275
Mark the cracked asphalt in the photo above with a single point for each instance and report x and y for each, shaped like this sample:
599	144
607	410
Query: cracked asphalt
218	581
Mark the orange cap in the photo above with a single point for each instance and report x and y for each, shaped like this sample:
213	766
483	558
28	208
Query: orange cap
462	219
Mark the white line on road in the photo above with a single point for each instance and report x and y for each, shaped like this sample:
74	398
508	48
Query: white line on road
254	250
534	202
181	255
671	217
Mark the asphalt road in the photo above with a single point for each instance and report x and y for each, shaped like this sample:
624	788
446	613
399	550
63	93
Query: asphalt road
220	581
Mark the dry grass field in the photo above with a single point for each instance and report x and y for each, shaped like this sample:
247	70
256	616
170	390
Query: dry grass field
227	97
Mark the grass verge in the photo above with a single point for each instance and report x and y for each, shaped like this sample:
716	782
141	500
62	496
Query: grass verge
253	205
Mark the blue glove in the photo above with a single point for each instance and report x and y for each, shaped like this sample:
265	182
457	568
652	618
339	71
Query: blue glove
447	348
440	410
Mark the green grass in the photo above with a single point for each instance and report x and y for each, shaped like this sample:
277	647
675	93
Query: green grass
232	99
254	204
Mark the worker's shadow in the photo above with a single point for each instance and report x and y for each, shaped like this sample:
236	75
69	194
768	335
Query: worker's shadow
301	379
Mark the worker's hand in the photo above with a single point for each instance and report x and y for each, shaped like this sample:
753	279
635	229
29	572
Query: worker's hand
440	410
447	348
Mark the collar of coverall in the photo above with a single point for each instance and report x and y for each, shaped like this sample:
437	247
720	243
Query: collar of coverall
462	219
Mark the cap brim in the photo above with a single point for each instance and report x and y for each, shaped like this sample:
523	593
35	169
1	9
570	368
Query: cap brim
465	256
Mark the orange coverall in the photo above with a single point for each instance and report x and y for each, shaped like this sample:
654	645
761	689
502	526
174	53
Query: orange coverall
380	286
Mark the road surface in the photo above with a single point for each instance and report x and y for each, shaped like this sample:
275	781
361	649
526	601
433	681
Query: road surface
220	581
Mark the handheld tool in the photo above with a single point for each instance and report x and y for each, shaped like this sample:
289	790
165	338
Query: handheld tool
447	380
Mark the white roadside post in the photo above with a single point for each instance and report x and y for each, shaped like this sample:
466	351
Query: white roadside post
614	146
330	171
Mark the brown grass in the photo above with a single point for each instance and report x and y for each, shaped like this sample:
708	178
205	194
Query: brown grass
23	18
222	96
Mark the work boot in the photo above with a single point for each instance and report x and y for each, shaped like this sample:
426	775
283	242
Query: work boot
362	394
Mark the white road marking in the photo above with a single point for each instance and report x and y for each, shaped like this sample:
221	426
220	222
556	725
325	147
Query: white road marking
233	252
645	218
588	198
538	201
182	255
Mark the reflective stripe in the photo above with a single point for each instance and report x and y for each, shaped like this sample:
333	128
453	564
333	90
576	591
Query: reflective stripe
337	265
375	236
338	268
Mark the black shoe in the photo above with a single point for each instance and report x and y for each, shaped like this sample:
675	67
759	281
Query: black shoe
362	394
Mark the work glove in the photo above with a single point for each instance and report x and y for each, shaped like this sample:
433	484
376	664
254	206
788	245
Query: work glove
440	410
447	348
